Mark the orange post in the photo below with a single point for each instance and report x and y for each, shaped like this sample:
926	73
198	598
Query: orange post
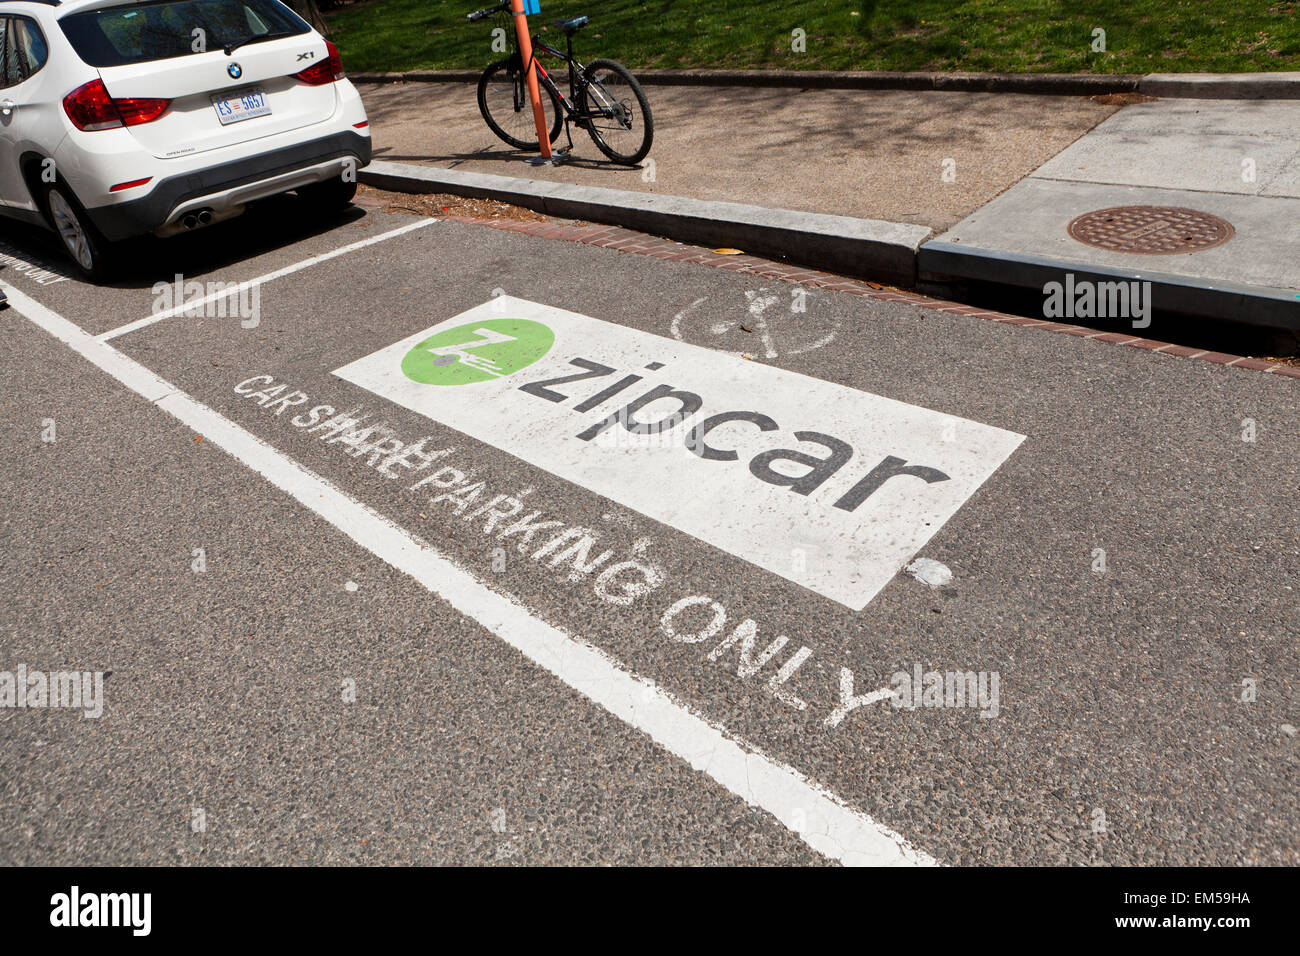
534	92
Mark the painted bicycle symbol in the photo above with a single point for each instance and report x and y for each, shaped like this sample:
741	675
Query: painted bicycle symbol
768	323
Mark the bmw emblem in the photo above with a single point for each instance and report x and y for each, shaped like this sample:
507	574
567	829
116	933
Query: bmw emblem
235	71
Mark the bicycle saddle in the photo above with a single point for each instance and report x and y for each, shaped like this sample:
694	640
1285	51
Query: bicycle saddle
572	26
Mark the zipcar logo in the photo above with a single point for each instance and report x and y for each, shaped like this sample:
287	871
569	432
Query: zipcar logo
826	485
477	352
235	71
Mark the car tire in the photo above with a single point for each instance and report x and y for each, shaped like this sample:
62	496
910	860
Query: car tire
329	195
89	251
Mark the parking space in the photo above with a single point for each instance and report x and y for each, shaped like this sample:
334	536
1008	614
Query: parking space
224	688
276	235
646	652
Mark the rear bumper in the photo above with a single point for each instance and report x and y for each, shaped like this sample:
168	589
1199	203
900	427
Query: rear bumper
228	186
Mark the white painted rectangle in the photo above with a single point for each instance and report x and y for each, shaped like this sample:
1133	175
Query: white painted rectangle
846	555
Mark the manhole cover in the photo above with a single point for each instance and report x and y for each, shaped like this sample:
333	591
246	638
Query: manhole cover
1150	230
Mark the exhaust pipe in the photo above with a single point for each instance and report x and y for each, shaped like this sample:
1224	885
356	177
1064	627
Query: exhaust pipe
193	220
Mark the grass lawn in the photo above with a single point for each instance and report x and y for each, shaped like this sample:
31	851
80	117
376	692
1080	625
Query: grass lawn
1055	36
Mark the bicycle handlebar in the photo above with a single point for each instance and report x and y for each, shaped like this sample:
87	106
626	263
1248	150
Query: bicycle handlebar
487	11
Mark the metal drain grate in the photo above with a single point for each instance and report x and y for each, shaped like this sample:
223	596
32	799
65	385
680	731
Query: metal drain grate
1150	230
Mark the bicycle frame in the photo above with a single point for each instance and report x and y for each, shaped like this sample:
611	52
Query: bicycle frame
571	111
574	67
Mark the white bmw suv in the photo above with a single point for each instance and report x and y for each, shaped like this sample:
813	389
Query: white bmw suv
119	119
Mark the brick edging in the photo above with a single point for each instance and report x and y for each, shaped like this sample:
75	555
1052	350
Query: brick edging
626	240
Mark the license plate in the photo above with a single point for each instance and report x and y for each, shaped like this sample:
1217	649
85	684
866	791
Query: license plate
240	105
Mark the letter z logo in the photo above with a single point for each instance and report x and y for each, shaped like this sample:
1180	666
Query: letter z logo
477	352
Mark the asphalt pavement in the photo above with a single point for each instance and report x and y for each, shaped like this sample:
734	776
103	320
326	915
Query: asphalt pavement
312	656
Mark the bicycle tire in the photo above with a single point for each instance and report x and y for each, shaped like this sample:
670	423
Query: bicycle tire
590	80
519	119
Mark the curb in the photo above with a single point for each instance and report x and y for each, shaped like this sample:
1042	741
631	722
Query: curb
1061	84
1223	86
898	254
884	251
1192	85
941	261
418	76
636	243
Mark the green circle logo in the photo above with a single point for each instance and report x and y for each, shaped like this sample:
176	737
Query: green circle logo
477	352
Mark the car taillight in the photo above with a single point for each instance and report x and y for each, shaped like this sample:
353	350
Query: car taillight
137	111
91	108
326	71
336	61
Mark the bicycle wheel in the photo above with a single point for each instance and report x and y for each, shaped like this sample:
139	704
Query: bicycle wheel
617	114
503	101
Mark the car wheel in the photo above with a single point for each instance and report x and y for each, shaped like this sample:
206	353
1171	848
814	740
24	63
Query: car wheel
329	195
81	240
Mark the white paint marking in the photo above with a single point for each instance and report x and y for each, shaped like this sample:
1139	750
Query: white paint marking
934	573
822	342
722	328
758	304
864	526
817	816
198	303
676	326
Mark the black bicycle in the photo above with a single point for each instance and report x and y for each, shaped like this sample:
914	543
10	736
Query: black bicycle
604	98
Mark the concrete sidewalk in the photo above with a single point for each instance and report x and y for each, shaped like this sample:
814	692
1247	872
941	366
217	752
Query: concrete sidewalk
869	154
1237	161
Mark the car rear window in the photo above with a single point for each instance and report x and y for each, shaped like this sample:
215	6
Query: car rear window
143	32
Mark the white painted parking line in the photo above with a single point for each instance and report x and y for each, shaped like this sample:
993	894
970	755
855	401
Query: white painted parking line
818	817
831	487
196	304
